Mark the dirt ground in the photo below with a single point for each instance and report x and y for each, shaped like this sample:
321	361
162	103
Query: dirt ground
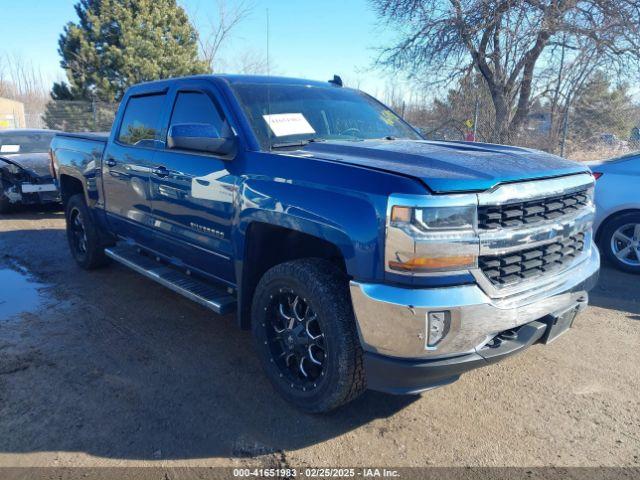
109	369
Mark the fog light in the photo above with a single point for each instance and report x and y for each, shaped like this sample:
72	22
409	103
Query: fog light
437	326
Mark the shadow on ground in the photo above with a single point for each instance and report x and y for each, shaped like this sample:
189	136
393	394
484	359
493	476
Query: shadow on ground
111	364
617	290
32	211
116	366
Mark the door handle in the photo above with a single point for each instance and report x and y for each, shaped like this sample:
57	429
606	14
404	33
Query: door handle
110	162
160	171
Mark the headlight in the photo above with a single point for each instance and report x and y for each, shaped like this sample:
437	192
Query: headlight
434	218
425	240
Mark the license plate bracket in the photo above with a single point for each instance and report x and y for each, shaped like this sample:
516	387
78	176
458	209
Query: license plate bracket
558	324
38	188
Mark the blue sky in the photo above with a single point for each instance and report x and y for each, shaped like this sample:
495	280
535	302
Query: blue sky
308	39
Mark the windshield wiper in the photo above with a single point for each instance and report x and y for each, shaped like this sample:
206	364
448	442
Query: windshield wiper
296	143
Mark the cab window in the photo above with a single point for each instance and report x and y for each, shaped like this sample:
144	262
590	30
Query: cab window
197	107
141	121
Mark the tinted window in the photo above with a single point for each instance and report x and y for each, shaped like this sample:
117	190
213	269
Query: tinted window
141	122
195	107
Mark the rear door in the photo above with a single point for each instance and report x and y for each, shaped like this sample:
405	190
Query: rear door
193	193
127	164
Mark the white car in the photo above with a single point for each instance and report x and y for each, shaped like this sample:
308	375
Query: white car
617	222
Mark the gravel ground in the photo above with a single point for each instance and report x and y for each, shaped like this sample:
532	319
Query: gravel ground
109	369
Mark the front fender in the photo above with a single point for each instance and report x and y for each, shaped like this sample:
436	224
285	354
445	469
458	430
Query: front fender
349	220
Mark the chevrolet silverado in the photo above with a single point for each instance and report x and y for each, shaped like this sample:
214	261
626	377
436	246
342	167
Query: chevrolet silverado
359	254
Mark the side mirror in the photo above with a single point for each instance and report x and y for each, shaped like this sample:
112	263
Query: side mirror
199	137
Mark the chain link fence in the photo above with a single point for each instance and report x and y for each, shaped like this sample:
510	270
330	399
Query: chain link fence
579	132
573	133
68	116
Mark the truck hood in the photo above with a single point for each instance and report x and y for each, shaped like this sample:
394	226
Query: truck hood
35	163
447	167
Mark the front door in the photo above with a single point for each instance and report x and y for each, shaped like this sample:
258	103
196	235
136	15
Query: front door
127	164
193	193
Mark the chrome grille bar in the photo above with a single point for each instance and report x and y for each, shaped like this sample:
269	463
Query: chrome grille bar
513	245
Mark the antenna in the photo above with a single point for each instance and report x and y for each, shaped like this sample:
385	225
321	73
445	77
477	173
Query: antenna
268	68
336	80
269	133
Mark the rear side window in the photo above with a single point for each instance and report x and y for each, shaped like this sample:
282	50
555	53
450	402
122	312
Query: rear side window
197	107
141	121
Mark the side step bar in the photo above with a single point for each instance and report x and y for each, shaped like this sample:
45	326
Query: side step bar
213	297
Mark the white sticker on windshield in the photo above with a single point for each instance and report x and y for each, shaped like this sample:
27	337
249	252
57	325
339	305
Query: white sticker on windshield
283	124
9	148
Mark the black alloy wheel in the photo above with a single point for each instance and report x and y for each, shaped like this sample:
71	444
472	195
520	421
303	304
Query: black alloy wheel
296	341
306	336
85	242
78	233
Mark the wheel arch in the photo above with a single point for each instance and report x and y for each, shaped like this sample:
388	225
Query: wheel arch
611	217
292	244
69	186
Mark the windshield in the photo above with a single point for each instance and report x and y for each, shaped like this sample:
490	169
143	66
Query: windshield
296	113
25	142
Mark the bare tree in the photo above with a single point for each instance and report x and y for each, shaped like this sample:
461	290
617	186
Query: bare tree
569	66
246	61
216	31
20	80
507	42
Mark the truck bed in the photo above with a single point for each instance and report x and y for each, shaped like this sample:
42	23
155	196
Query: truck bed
97	136
75	154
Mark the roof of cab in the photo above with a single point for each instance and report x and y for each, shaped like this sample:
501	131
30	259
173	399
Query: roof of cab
156	85
265	79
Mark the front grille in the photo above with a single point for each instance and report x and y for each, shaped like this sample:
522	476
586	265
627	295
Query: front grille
526	213
515	267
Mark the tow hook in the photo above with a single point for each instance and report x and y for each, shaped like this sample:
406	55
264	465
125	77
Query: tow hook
508	335
505	336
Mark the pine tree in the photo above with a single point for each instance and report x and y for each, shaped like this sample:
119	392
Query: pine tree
118	43
601	108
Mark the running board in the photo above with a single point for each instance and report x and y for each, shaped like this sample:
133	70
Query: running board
215	298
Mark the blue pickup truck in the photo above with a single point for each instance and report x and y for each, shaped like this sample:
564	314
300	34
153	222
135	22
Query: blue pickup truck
359	254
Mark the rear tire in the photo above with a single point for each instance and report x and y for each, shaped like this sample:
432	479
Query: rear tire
621	234
82	235
306	337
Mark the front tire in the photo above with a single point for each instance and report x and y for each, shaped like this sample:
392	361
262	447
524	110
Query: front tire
82	235
620	242
306	337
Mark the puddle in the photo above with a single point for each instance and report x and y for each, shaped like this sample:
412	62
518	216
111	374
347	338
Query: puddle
17	293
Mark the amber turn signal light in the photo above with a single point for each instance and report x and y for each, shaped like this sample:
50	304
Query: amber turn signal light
401	214
425	264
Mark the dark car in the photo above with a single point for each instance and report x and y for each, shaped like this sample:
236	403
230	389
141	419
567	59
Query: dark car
24	169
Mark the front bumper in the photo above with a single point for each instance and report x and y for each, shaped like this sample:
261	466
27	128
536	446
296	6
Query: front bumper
398	376
392	324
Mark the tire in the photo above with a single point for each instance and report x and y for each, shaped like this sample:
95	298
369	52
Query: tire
323	317
619	232
82	235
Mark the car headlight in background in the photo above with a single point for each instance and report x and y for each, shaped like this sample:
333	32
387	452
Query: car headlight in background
432	239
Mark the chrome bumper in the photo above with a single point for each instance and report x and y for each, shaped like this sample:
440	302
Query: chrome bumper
392	321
